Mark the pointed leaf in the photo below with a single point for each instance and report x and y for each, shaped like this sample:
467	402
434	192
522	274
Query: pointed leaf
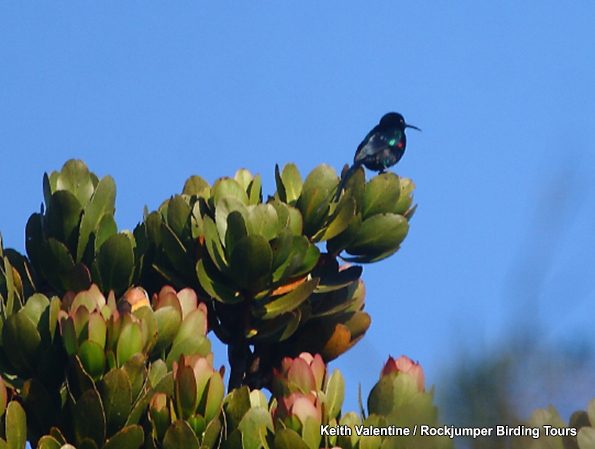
290	301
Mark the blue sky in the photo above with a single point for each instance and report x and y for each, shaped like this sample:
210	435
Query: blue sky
153	92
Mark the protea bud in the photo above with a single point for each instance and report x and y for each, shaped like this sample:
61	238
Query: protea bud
405	366
304	373
305	397
198	387
302	406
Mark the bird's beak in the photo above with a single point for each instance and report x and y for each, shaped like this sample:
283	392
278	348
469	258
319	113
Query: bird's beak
411	126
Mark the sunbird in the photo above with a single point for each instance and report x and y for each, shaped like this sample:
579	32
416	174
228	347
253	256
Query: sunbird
382	147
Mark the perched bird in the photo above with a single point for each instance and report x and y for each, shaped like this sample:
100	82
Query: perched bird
383	147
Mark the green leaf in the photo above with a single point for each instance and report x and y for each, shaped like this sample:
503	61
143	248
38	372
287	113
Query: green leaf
34	239
115	263
213	244
289	301
130	437
105	229
303	258
48	442
185	392
378	234
41	406
337	280
243	177
591	411
157	371
195	185
101	203
262	220
76	178
63	217
236	404
223	208
77	379
334	394
21	341
130	342
195	344
291	183
116	396
178	214
311	432
315	198
212	434
215	393
278	329
251	261
93	358
406	196
3	397
340	220
180	435
586	438
57	264
236	230
289	439
215	286
35	308
16	426
381	399
381	195
228	188
88	419
168	321
194	325
176	252
254	426
255	190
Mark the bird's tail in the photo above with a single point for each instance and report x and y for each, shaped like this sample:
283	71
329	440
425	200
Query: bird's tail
345	177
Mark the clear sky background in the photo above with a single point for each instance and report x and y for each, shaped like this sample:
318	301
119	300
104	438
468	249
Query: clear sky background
504	236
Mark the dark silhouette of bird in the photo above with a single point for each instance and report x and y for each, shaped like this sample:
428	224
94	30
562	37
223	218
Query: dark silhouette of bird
382	147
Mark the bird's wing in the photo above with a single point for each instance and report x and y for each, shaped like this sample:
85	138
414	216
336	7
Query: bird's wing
374	143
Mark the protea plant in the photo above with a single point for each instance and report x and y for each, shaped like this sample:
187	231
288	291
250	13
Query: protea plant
73	241
103	335
269	289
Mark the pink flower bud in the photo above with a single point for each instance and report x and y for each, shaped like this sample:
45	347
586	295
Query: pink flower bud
407	366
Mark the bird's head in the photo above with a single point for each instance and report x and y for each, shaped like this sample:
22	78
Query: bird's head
395	119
